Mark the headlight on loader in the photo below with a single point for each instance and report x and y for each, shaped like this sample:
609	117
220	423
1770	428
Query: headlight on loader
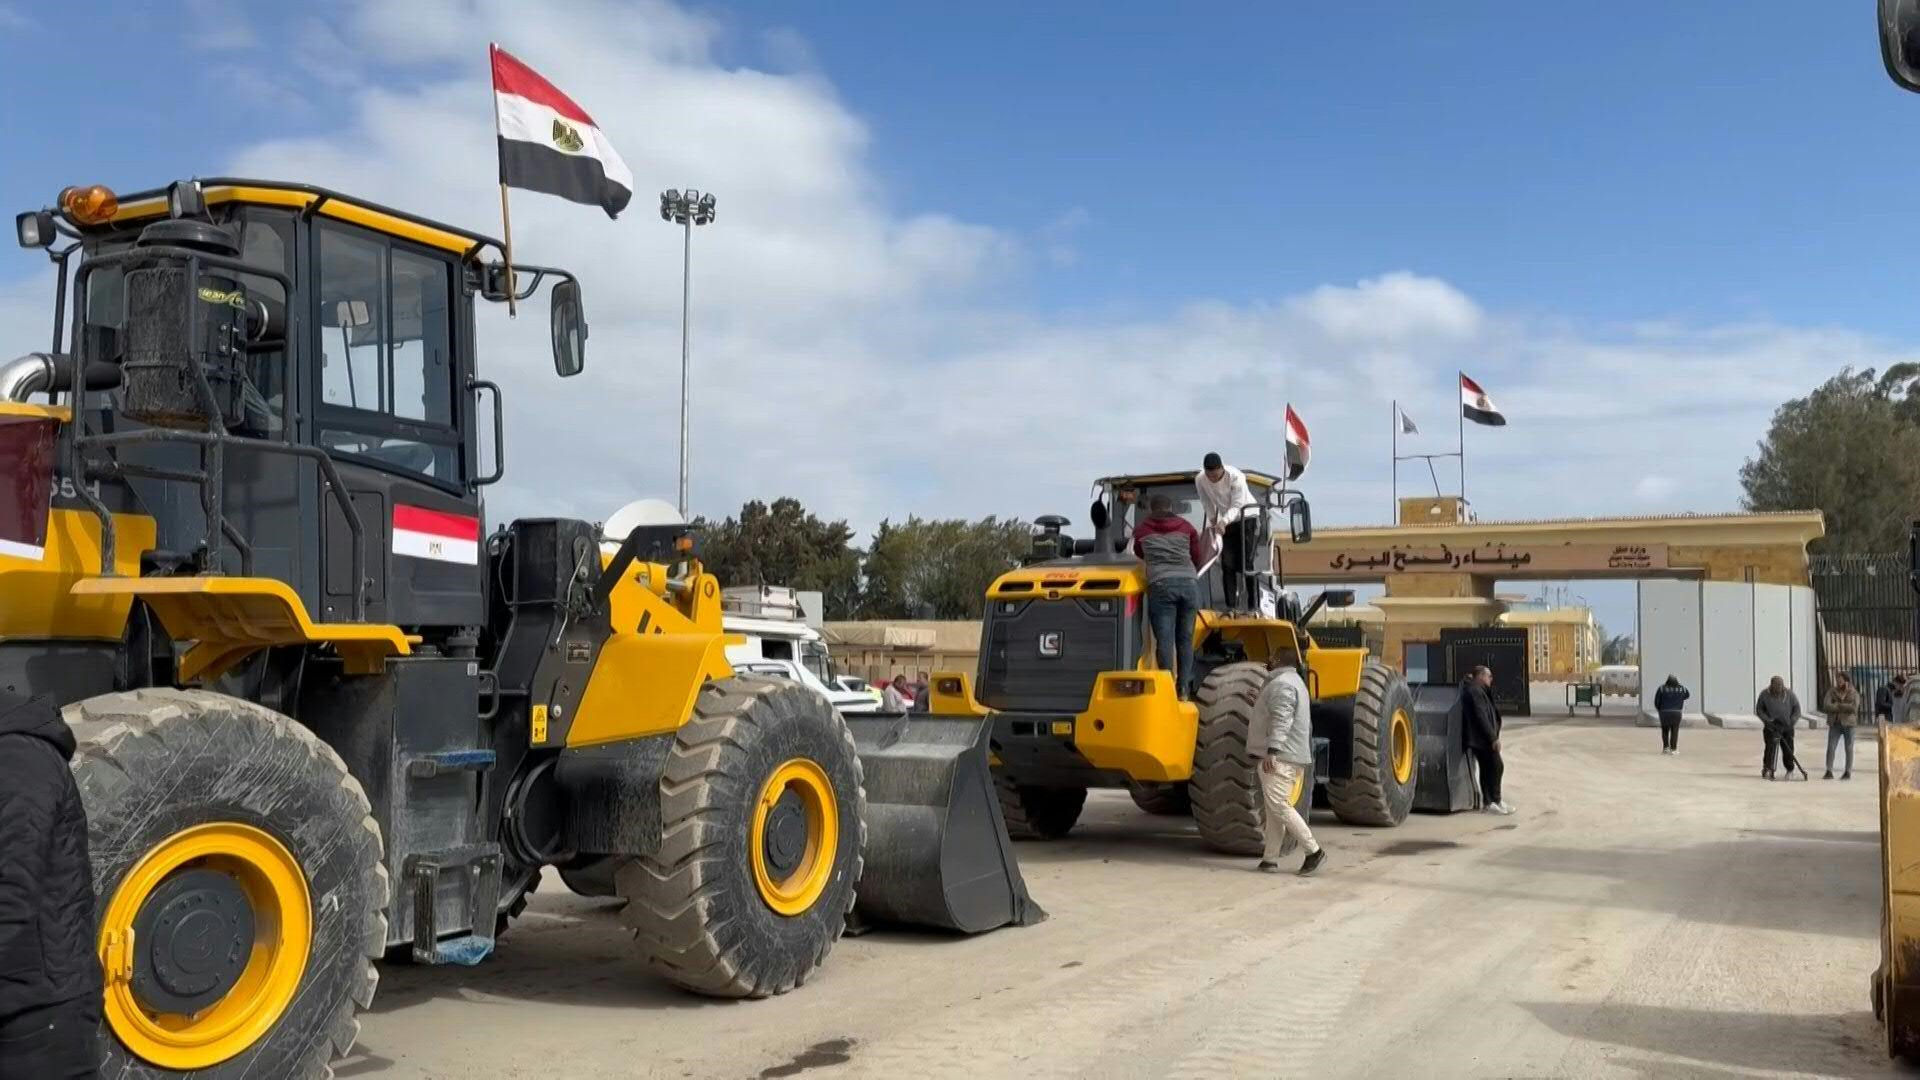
34	229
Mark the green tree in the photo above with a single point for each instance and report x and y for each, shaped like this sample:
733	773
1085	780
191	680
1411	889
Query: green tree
783	544
1850	449
1619	649
939	568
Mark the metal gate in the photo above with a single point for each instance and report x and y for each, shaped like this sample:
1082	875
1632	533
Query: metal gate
1339	637
1864	609
1502	650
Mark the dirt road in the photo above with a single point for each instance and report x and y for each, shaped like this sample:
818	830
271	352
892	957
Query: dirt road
1641	916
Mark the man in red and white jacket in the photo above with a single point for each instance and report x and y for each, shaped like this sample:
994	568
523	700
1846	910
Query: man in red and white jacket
1171	549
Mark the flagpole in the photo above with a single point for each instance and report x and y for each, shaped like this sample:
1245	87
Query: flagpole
1394	517
1461	410
506	227
506	220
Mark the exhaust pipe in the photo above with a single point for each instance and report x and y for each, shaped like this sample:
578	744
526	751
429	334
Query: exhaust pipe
25	376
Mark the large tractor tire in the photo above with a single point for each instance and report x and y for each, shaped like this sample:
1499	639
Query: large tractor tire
1385	769
1038	813
1224	789
762	829
240	895
1161	800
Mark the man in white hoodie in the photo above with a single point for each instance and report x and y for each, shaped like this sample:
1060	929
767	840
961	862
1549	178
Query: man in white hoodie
1230	505
1280	739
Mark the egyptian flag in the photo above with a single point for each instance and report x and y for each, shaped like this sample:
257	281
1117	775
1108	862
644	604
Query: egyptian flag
1476	406
1296	445
550	144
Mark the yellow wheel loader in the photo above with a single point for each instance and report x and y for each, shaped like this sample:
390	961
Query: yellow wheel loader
1076	698
324	716
1895	987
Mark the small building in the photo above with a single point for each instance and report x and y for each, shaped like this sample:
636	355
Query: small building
880	649
1563	644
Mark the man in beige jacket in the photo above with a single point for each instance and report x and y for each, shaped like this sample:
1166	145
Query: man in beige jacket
1280	738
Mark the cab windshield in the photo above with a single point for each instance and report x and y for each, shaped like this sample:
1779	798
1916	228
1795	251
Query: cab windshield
814	656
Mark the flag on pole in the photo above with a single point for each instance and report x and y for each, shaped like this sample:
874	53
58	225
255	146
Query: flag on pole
1406	425
1476	406
549	144
1297	447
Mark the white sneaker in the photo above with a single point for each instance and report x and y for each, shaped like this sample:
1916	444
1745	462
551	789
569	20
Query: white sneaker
1501	808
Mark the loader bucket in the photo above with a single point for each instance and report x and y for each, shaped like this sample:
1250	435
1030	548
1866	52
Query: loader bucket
937	848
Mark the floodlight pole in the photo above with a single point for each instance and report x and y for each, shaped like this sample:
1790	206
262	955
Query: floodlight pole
686	210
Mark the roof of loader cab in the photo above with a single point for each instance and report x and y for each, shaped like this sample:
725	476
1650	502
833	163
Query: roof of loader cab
314	200
1255	478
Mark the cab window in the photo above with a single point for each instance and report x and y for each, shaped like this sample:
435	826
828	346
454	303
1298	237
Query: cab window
387	373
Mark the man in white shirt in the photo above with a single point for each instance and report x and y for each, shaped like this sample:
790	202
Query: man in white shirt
1230	505
1280	741
897	697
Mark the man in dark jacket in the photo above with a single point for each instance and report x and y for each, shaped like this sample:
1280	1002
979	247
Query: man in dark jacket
1482	720
1779	710
1171	549
50	996
1883	698
1669	701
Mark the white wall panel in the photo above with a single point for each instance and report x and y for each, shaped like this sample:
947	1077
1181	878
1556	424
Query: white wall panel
1726	632
1669	637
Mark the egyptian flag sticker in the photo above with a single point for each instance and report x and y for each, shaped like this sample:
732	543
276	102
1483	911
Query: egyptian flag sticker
1476	406
549	144
1297	447
433	534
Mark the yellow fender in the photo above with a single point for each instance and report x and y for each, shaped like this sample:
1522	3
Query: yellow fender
1897	983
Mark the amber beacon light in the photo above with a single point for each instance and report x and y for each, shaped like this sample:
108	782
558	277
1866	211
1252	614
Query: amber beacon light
90	205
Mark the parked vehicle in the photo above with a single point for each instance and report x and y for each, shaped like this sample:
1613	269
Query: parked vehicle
795	650
854	684
1618	680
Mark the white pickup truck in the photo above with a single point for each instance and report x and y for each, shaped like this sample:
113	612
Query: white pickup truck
791	650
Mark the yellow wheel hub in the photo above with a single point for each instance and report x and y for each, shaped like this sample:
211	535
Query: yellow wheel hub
1402	738
216	923
796	832
1299	784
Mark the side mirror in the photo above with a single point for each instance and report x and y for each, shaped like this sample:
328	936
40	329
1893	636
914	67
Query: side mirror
1338	598
569	329
1900	41
1300	521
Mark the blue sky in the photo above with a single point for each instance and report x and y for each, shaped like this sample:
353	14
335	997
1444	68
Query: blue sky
1640	229
1709	160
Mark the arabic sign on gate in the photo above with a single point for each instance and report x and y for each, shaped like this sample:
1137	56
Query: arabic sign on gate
1502	559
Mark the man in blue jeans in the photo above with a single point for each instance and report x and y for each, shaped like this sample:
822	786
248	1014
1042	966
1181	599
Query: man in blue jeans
1171	549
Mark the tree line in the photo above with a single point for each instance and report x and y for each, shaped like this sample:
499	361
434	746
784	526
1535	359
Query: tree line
915	569
1851	450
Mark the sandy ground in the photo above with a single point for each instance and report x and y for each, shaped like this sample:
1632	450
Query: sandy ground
1641	916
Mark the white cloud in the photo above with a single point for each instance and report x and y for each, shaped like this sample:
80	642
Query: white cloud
1056	237
12	18
219	26
1655	489
876	363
